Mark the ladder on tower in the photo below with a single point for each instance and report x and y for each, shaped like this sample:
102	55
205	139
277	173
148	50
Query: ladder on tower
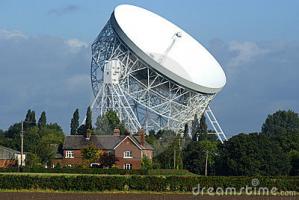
216	126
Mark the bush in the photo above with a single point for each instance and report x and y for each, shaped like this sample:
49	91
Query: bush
167	172
137	182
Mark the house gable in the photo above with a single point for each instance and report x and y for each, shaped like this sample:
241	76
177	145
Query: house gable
128	137
135	154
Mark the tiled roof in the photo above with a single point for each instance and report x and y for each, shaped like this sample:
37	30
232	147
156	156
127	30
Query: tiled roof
100	141
7	153
145	146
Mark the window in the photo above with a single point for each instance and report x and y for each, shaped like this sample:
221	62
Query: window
128	166
69	154
128	154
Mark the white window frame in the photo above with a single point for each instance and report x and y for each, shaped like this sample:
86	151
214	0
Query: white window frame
128	154
69	154
128	166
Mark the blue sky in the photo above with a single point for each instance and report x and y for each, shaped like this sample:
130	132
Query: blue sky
45	55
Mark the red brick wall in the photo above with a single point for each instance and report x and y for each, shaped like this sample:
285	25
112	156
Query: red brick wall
7	163
77	160
128	145
148	153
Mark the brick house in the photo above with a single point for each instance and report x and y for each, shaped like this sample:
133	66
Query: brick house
127	149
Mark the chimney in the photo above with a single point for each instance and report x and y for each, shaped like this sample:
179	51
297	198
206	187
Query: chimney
116	132
127	132
141	134
88	134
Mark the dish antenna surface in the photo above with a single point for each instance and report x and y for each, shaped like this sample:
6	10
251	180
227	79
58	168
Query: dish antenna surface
152	73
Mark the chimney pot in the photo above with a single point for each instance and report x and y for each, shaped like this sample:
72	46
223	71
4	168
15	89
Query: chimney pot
88	134
116	132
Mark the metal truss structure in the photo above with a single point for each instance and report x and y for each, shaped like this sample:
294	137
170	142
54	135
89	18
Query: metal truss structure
141	96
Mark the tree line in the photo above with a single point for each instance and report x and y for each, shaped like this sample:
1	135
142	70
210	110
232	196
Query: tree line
272	151
104	124
42	140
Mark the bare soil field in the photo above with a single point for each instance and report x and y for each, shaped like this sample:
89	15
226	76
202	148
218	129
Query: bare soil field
121	196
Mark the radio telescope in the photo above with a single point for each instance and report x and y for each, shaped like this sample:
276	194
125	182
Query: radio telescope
152	73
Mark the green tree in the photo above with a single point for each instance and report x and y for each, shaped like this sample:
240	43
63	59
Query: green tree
31	139
3	139
252	155
197	153
40	144
75	122
294	158
281	122
13	131
42	121
55	127
91	154
30	119
161	141
146	163
28	116
195	128
169	155
81	130
203	129
103	126
186	130
32	160
200	129
283	128
88	122
186	135
46	152
107	160
106	123
51	137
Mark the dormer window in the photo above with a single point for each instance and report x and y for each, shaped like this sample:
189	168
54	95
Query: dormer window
128	154
69	154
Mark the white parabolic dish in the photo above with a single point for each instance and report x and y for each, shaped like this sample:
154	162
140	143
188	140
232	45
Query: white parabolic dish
182	59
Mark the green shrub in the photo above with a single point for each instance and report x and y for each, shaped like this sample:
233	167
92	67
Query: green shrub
137	182
172	172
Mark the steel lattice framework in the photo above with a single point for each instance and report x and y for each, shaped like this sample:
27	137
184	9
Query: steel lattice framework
140	95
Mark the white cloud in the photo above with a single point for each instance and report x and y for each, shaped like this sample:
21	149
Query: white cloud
12	34
244	52
42	73
76	44
261	78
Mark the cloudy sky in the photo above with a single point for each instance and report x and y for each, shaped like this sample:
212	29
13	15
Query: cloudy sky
45	55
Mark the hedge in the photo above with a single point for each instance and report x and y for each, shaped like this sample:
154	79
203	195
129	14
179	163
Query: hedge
101	171
137	182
